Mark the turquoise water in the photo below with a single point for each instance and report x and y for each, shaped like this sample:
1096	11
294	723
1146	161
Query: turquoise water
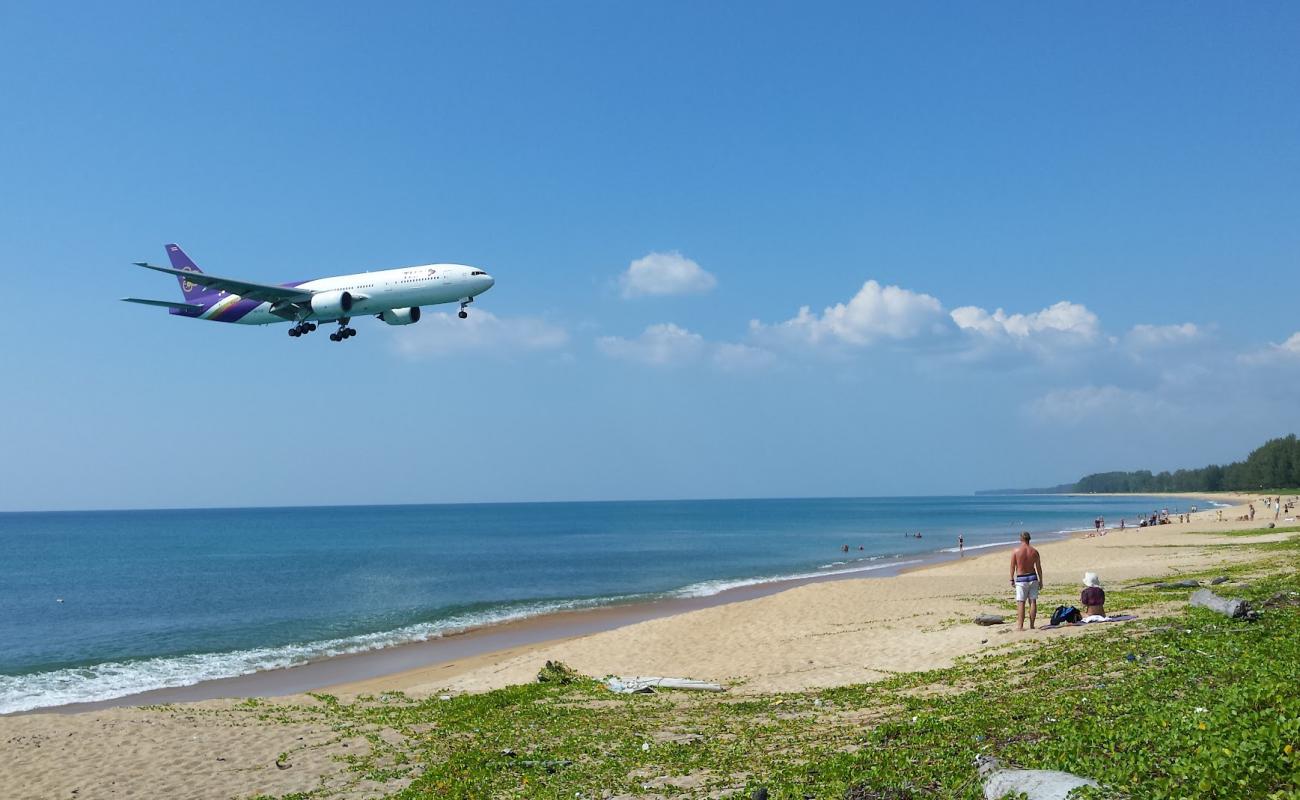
154	599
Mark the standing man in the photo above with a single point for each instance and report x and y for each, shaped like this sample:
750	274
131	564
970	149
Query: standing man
1027	577
961	544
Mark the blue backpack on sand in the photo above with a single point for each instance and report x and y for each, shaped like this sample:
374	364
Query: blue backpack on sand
1064	614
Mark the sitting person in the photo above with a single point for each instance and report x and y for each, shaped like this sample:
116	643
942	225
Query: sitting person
1093	597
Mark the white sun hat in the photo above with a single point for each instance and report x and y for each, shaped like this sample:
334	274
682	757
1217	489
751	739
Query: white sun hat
1091	579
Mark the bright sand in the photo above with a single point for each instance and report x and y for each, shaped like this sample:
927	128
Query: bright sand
813	635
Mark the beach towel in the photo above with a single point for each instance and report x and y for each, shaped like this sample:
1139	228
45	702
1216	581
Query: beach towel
1091	621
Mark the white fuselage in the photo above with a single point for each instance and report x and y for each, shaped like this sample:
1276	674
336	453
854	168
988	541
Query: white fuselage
376	292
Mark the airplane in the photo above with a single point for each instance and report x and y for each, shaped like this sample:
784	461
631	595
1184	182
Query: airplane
393	295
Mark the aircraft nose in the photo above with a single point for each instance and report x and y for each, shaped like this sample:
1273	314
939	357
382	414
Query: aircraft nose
488	282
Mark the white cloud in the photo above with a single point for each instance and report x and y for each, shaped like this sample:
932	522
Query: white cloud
1076	405
667	344
1275	353
664	274
660	345
876	312
737	357
1154	336
440	334
1063	321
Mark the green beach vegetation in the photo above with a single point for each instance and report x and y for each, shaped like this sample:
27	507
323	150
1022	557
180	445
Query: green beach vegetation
1272	468
1182	703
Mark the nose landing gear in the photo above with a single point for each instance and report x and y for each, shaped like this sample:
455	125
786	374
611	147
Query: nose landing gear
463	313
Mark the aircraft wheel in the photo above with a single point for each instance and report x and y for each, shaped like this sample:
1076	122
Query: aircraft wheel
334	337
294	332
463	314
311	326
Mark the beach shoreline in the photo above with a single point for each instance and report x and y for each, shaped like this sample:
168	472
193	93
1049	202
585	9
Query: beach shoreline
788	639
456	653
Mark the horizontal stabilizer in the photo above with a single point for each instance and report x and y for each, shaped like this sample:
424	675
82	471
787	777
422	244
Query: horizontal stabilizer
165	304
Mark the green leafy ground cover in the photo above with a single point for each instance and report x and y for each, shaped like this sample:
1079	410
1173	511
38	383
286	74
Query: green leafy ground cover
1188	705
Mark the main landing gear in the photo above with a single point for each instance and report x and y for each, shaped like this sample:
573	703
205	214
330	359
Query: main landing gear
463	313
344	332
302	328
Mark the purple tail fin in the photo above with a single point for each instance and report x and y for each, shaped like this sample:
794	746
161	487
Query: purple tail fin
193	292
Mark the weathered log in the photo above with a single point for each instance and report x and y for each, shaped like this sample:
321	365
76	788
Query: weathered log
1219	580
1187	584
1231	608
990	619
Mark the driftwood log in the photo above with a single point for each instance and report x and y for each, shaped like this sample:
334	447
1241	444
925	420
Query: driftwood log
1036	784
1231	608
1187	584
990	619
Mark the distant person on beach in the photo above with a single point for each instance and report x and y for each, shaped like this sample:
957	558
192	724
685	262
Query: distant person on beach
1027	577
961	543
844	548
1093	597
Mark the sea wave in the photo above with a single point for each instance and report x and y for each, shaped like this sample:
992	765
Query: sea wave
112	680
978	546
709	588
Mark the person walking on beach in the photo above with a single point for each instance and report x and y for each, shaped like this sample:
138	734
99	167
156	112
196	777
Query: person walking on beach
1027	577
961	544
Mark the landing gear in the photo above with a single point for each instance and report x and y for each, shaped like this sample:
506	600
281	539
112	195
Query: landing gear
463	313
302	328
344	332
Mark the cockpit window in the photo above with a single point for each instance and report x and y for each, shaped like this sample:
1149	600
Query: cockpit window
478	272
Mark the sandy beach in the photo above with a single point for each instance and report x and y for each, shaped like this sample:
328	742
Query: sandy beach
815	635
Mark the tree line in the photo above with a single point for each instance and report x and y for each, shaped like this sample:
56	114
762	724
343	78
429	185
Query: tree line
1273	465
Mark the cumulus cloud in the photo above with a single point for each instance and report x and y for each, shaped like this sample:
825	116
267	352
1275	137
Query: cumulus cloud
876	312
665	274
1077	405
1155	336
659	345
1063	321
440	335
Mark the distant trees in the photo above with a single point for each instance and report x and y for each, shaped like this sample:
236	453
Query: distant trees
1274	465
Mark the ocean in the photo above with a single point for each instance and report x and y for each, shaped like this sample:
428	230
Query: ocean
102	604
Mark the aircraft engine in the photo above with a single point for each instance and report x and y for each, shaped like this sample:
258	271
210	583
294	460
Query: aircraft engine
401	316
331	305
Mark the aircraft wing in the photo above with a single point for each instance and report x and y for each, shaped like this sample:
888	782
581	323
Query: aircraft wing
265	292
165	304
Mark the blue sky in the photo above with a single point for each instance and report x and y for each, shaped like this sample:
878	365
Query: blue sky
659	190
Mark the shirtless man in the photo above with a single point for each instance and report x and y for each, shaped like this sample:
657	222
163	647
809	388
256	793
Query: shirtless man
1027	577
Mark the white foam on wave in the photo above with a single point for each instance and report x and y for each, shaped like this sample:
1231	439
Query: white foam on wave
1217	504
118	679
835	564
710	588
977	546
